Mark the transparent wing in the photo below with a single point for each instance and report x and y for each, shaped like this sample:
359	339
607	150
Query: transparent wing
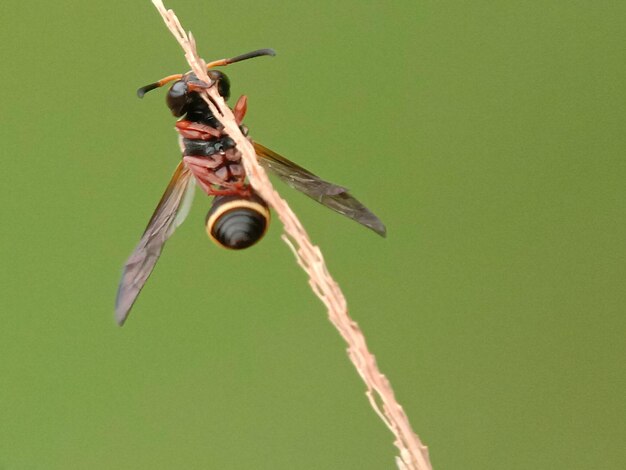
330	195
169	214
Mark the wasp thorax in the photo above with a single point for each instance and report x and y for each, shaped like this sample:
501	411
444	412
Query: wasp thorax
237	222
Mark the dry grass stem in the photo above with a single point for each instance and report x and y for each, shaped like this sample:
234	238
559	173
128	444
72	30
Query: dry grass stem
413	454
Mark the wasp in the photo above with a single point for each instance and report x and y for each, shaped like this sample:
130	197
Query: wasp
238	217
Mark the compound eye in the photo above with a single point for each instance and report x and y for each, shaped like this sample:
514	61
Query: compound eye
223	87
177	98
179	88
223	83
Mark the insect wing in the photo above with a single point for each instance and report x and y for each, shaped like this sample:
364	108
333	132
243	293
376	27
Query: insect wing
169	214
330	195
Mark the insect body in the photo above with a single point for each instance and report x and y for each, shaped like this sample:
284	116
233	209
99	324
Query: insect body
238	217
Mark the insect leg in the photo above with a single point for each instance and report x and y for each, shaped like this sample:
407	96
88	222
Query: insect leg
197	131
240	108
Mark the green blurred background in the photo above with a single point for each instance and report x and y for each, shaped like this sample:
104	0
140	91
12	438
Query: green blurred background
489	136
